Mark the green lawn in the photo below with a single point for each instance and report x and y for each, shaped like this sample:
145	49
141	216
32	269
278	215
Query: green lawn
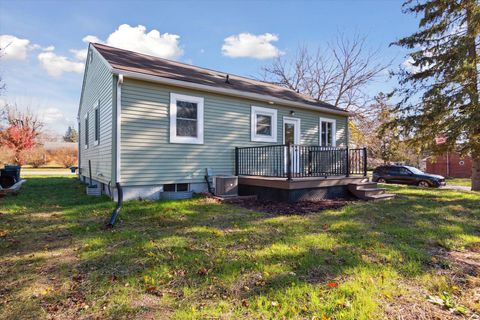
198	259
459	182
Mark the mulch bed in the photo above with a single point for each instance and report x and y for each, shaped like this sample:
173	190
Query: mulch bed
302	207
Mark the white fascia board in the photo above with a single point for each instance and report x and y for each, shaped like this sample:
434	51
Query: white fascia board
225	91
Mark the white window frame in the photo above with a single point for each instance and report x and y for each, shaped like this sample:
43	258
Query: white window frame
334	130
86	135
174	97
253	124
96	107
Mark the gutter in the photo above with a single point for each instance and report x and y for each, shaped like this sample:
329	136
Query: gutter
225	91
116	211
118	122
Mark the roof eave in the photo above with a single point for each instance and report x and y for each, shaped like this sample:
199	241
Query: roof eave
225	91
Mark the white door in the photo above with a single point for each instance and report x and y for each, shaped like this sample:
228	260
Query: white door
291	134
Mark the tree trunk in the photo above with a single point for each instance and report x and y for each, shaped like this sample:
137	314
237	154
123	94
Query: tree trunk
475	173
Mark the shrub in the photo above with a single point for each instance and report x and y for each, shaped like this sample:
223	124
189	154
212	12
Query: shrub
7	155
65	156
35	157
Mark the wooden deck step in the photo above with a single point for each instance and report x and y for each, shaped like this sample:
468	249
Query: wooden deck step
369	191
383	196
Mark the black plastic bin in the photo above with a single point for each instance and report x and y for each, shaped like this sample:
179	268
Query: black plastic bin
9	176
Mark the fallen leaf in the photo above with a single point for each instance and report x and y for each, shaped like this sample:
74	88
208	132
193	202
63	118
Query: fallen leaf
202	271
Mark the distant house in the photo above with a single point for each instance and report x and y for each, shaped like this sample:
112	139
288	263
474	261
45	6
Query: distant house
153	124
450	164
55	145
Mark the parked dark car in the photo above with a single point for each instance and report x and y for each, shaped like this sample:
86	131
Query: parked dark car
407	175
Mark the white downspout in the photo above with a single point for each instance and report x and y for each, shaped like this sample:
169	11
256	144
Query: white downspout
119	125
79	137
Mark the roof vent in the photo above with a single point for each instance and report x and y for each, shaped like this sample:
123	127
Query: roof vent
227	79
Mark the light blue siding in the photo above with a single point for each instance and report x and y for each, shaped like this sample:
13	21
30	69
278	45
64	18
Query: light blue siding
148	158
98	87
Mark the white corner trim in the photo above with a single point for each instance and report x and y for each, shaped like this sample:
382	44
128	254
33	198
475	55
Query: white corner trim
174	97
119	126
253	124
334	130
297	122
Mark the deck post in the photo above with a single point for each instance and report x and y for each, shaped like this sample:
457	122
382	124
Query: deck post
347	164
364	161
289	162
236	161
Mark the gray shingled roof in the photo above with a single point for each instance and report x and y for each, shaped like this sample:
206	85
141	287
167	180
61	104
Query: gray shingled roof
126	60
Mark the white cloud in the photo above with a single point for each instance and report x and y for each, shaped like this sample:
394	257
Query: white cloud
138	39
14	48
251	46
409	64
56	65
89	38
80	54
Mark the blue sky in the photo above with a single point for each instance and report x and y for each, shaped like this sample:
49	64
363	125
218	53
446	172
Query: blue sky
44	73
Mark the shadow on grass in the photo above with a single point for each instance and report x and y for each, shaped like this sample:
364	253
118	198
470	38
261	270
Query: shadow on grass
193	249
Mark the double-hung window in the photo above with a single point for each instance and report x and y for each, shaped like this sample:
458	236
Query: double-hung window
86	130
97	123
327	132
186	119
263	124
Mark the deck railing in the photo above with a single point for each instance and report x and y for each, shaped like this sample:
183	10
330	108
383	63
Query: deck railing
297	161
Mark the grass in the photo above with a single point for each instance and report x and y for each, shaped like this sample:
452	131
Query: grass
198	259
45	171
463	182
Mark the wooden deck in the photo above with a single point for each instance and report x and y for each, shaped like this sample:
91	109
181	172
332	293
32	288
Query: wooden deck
299	183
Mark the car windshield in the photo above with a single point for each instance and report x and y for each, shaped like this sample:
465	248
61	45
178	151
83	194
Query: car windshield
415	170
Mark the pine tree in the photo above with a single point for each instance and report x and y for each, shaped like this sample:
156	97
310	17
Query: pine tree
71	135
438	88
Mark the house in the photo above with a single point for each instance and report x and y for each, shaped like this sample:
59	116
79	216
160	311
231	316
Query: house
153	124
449	164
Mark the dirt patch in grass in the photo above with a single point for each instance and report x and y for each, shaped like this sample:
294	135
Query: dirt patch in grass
302	207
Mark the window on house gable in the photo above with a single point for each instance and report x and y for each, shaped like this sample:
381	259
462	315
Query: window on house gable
186	119
263	124
327	132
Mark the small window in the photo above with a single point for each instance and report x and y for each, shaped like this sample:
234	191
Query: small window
97	123
182	186
327	132
175	187
169	187
86	130
186	119
263	124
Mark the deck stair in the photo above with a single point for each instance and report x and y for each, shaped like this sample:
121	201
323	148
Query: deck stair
369	191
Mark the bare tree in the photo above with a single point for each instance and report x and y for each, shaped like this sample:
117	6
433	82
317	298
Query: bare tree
337	75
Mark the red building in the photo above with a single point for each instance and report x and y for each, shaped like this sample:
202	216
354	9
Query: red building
450	165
